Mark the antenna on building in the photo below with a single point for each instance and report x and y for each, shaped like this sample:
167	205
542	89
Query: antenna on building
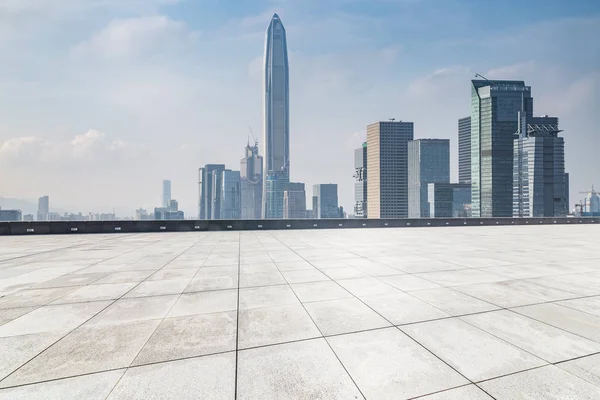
486	79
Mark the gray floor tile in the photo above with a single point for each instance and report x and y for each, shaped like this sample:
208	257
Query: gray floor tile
272	325
294	266
158	288
204	303
367	286
547	383
88	387
471	351
571	320
17	350
408	282
452	301
59	318
587	368
267	296
108	291
71	280
206	378
132	310
333	317
319	291
124	277
84	351
402	308
217	282
470	392
33	297
170	274
461	277
386	364
250	279
343	273
589	305
303	370
545	341
498	294
193	336
306	275
10	314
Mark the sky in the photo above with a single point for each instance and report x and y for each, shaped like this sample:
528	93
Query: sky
100	100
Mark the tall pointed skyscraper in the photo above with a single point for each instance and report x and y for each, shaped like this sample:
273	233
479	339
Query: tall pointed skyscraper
276	108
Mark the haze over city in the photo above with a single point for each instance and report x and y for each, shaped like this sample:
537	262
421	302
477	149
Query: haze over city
102	100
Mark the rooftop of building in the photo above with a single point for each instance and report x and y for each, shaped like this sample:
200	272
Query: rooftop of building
499	312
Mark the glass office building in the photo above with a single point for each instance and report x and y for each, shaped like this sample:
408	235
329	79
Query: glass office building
495	107
428	162
360	182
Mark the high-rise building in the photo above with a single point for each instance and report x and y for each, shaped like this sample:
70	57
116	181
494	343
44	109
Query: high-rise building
230	193
43	208
166	193
428	162
360	182
464	150
539	181
10	215
163	213
327	200
315	206
251	175
449	200
294	201
495	106
206	182
387	168
173	205
276	119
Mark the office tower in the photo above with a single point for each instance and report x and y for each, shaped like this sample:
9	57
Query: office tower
166	193
539	186
360	182
428	162
464	150
294	201
387	168
567	195
276	119
173	205
28	217
327	200
10	215
449	200
494	120
251	176
163	213
43	208
230	193
315	207
141	215
206	177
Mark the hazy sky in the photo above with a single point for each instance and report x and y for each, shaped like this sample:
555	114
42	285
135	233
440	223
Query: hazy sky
102	99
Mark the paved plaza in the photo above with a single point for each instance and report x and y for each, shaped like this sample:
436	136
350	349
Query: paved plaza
467	313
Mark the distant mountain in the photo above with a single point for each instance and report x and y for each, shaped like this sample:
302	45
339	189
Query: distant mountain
26	206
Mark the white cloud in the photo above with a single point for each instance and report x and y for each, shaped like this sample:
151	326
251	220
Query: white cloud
134	37
92	148
514	71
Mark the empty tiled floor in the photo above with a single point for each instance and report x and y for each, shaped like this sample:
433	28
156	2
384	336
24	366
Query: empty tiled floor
434	313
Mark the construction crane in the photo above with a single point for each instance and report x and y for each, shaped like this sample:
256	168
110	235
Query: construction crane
253	137
584	203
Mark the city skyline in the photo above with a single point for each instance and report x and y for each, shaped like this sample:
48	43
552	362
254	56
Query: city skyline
333	99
